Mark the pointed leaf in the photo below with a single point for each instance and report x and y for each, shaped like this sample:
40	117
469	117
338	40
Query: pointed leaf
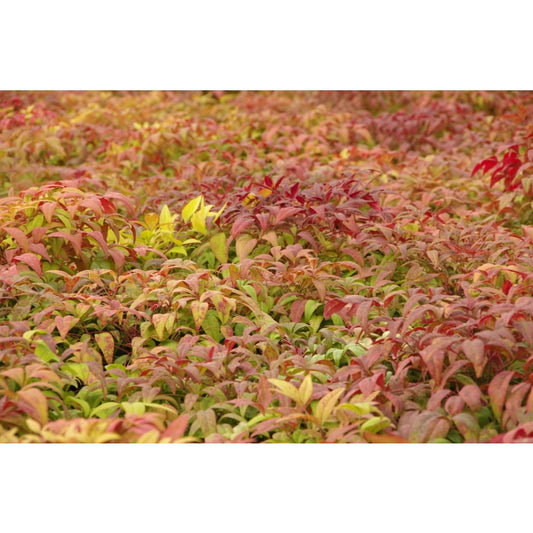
64	324
160	321
306	390
199	310
190	208
297	310
75	239
498	391
99	238
34	403
176	428
151	220
19	237
219	246
286	388
240	224
165	218
474	351
48	209
326	405
32	260
243	246
198	222
471	394
106	343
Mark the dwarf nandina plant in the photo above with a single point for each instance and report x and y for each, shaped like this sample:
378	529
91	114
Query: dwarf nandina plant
266	267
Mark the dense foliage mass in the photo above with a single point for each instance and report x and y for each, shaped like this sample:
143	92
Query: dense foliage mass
266	267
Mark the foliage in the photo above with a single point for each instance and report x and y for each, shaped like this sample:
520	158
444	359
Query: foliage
266	267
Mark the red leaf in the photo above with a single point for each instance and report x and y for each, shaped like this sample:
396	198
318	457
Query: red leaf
19	237
454	405
75	239
264	393
99	238
332	307
38	233
474	351
485	165
471	394
118	258
286	212
436	399
48	209
297	310
108	205
64	324
320	287
93	203
176	428
240	224
498	391
40	249
130	209
31	260
384	439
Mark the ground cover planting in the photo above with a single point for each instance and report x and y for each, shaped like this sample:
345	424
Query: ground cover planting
258	267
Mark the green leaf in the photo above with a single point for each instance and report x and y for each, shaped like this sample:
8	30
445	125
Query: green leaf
105	409
358	408
211	325
310	307
376	424
43	352
77	370
136	408
412	227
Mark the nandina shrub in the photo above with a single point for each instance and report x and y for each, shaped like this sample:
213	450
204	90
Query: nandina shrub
265	267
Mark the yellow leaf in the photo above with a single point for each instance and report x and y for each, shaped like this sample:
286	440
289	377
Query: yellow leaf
218	213
326	404
286	388
151	220
54	144
165	218
250	200
162	322
198	222
191	207
412	227
306	390
199	310
345	153
106	343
